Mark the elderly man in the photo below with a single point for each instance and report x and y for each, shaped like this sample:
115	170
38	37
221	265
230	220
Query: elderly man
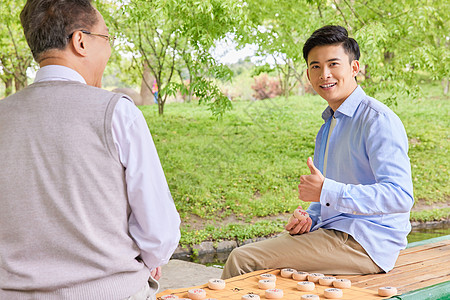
86	212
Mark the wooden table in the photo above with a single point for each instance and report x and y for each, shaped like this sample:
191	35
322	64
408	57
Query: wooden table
425	264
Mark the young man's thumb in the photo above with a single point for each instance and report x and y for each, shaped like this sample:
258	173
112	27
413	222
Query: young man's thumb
311	166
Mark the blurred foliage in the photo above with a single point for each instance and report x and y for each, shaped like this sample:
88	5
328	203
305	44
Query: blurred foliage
171	37
399	40
431	215
15	56
238	232
266	87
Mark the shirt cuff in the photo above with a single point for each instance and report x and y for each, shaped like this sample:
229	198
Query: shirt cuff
314	212
331	195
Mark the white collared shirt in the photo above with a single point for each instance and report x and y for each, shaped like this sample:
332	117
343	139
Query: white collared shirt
154	221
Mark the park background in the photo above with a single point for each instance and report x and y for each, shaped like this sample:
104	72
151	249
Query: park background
233	132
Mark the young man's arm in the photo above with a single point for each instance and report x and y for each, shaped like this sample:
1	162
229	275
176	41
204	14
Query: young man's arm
387	151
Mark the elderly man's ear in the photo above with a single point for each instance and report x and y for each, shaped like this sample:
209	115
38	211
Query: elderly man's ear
78	43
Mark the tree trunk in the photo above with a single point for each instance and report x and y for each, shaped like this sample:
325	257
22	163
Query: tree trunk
8	86
146	87
445	84
286	82
160	107
388	56
20	81
183	95
189	98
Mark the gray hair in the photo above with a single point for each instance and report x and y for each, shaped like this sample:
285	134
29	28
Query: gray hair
48	23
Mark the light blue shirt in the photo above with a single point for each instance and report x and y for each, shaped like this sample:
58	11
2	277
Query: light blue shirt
368	190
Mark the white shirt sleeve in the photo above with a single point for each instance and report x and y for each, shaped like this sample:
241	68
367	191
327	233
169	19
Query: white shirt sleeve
154	221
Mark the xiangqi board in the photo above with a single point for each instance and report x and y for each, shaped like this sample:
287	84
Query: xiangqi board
238	286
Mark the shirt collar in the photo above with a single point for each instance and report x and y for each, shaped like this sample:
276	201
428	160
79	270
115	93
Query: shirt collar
348	107
58	72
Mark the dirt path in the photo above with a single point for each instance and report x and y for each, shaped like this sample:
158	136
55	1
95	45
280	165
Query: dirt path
197	223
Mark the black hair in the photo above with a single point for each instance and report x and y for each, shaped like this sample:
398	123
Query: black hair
47	23
332	35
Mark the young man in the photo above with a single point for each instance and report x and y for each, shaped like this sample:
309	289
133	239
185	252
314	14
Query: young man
86	211
360	183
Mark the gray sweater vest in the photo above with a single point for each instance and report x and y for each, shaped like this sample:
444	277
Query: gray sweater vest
63	202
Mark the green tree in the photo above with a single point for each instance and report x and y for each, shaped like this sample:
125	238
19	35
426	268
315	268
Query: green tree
279	29
162	35
401	41
15	55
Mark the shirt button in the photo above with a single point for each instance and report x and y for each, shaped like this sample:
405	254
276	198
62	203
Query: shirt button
328	204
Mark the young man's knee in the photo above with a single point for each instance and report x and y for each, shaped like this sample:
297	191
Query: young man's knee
236	253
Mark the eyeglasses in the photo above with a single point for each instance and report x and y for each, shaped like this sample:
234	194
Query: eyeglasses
110	39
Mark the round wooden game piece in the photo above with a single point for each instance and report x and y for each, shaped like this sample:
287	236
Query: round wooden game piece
216	284
342	283
387	291
266	284
310	297
268	276
250	296
169	297
300	214
300	276
314	277
287	273
327	280
274	294
197	294
333	293
306	286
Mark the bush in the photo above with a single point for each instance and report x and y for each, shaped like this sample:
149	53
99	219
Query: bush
266	87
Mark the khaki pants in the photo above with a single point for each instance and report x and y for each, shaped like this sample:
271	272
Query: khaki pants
148	292
324	251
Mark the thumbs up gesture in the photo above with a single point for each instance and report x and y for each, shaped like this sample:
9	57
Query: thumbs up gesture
310	186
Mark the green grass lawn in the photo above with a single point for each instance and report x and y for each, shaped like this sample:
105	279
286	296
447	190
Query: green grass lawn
246	166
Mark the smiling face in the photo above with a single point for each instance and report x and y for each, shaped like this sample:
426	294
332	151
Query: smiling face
332	73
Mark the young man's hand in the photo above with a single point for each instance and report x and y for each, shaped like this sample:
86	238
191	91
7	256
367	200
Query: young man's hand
294	226
310	186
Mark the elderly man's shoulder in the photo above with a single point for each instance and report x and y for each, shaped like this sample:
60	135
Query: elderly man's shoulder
59	89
